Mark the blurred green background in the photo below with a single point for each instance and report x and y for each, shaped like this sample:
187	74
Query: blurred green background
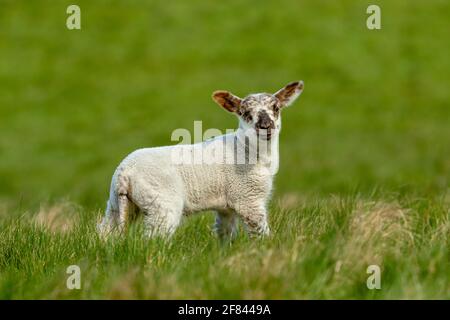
374	113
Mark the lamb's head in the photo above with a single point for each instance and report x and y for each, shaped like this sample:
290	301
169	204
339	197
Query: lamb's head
260	111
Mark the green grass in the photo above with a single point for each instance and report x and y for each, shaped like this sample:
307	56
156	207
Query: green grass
320	249
372	126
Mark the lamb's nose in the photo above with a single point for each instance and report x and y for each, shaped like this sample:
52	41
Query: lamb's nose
263	124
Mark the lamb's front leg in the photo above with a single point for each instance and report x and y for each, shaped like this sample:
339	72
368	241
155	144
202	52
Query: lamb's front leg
255	219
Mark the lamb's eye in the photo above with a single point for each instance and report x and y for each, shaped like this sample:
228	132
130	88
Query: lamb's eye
247	116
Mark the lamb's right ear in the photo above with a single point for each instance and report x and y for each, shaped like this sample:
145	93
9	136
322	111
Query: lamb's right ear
227	100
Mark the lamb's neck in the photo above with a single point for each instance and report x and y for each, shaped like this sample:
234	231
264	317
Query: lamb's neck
264	152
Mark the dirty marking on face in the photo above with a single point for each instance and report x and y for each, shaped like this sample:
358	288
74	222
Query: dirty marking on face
253	104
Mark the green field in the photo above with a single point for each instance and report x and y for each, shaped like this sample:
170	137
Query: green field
365	152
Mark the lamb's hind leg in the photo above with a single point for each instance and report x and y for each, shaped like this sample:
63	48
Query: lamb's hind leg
116	216
162	217
226	224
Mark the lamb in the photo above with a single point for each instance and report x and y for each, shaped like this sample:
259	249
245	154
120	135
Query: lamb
164	184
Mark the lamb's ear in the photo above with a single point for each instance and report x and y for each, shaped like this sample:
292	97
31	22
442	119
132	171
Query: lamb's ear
227	100
289	93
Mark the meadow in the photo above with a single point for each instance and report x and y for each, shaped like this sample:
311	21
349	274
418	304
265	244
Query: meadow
365	151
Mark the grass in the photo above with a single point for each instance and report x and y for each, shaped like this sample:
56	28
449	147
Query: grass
320	249
365	166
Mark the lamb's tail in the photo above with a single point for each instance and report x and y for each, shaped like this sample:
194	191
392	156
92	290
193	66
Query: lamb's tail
118	206
106	225
126	207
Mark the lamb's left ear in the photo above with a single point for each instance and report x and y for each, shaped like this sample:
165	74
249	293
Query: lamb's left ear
289	93
227	100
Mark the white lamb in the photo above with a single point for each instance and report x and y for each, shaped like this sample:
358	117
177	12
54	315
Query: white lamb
164	184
